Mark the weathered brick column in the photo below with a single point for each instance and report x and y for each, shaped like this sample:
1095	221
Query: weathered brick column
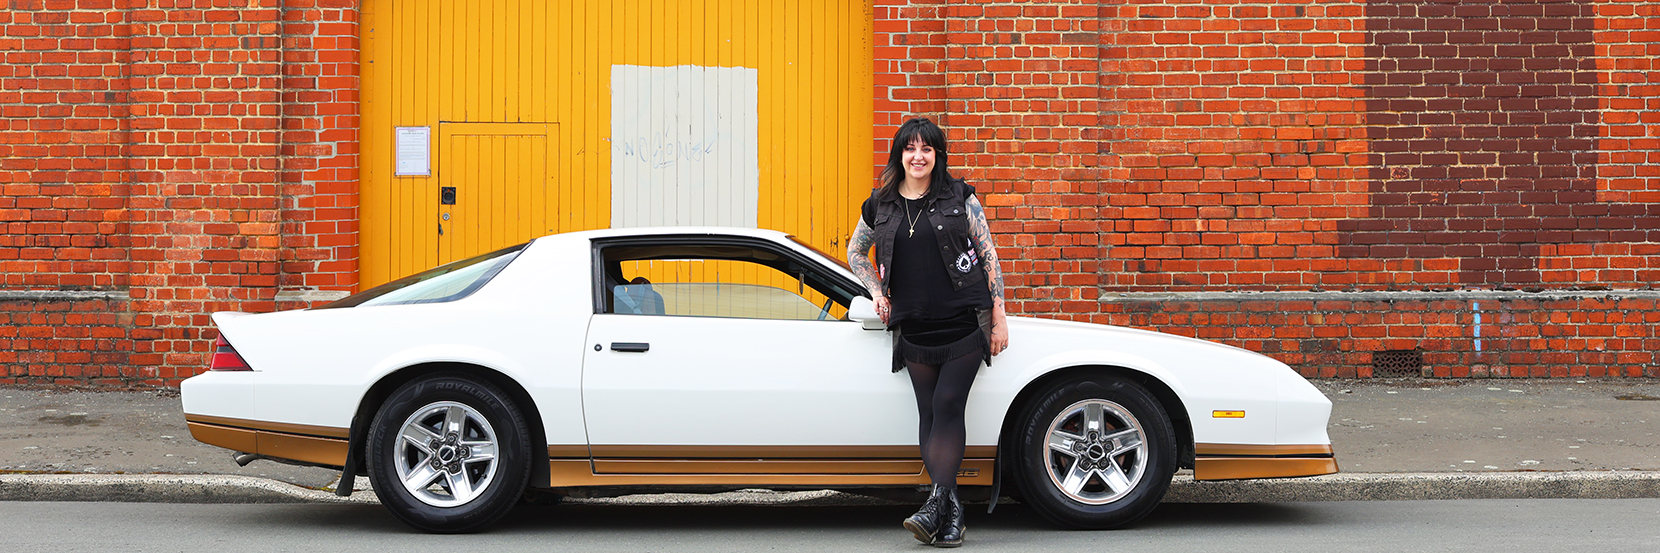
163	160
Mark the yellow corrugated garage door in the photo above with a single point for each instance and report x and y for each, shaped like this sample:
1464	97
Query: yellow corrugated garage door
522	118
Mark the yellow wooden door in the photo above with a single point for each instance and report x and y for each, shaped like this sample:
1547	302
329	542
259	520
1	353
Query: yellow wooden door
784	83
493	186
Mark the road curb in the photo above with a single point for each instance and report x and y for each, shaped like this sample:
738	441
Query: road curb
172	488
1422	486
164	488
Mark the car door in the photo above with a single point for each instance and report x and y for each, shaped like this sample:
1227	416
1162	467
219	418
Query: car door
711	358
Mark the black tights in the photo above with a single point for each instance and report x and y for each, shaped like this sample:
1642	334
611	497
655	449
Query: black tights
941	395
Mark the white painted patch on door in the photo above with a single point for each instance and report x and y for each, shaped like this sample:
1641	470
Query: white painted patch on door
684	146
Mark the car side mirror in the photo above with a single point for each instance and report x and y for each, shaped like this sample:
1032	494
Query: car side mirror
864	311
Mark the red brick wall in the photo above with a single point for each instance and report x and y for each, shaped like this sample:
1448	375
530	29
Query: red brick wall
1244	171
182	156
1237	146
1459	335
1319	180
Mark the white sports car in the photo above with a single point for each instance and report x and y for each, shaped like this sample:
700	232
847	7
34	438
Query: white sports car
709	358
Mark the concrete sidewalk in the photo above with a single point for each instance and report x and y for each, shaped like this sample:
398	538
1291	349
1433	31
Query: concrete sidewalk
1395	439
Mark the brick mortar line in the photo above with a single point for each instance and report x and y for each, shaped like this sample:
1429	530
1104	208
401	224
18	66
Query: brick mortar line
1452	295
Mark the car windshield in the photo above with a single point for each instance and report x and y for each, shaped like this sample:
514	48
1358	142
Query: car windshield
448	282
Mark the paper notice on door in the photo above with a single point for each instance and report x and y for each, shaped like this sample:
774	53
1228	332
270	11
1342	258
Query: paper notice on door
414	152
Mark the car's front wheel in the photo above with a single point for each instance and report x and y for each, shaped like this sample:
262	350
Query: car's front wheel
449	453
1095	451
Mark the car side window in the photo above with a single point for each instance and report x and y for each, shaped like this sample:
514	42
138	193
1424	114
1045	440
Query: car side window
703	281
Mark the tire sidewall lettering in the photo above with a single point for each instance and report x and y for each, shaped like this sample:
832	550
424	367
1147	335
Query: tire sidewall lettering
463	391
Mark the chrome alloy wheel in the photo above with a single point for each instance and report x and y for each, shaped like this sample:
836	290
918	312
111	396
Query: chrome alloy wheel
1096	453
446	454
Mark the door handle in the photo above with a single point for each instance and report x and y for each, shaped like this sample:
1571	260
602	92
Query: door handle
637	347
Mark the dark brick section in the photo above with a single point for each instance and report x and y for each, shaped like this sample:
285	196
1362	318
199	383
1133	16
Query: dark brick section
1483	119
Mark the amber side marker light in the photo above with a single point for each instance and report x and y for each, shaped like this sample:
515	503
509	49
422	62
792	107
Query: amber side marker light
225	358
1227	414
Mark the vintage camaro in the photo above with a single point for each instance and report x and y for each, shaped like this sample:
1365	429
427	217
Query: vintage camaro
630	360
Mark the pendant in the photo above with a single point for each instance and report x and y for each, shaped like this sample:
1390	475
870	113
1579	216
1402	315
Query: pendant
912	234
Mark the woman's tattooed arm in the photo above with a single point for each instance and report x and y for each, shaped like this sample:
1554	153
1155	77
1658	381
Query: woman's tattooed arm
980	232
858	257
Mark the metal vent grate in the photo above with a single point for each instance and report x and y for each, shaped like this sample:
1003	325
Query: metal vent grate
1400	362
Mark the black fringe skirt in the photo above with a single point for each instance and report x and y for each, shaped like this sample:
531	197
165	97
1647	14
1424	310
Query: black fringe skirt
933	342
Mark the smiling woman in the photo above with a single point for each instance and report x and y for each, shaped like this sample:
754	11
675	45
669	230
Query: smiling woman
946	320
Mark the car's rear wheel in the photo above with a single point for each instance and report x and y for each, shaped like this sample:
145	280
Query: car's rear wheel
1094	451
449	453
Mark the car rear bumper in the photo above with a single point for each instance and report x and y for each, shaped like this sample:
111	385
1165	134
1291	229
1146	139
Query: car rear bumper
314	445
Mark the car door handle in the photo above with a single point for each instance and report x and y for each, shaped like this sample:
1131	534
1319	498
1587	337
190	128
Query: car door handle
639	347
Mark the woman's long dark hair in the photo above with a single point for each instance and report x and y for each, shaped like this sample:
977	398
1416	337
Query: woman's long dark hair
894	174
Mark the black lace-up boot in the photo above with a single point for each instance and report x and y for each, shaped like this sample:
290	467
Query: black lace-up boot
951	525
926	522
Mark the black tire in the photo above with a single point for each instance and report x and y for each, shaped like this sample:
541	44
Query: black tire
488	487
1046	477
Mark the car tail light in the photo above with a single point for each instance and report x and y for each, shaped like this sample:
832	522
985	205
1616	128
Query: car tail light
225	358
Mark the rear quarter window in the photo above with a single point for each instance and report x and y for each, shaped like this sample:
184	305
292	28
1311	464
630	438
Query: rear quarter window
444	283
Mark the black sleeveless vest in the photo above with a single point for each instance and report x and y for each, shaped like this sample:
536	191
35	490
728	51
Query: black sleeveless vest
946	216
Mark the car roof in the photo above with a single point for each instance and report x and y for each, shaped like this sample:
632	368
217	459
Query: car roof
767	234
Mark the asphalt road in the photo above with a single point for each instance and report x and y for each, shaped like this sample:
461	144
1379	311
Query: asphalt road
1604	526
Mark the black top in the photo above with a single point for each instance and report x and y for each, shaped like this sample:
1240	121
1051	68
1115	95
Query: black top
920	289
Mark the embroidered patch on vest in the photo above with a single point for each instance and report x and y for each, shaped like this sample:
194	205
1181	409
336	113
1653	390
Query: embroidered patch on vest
967	259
